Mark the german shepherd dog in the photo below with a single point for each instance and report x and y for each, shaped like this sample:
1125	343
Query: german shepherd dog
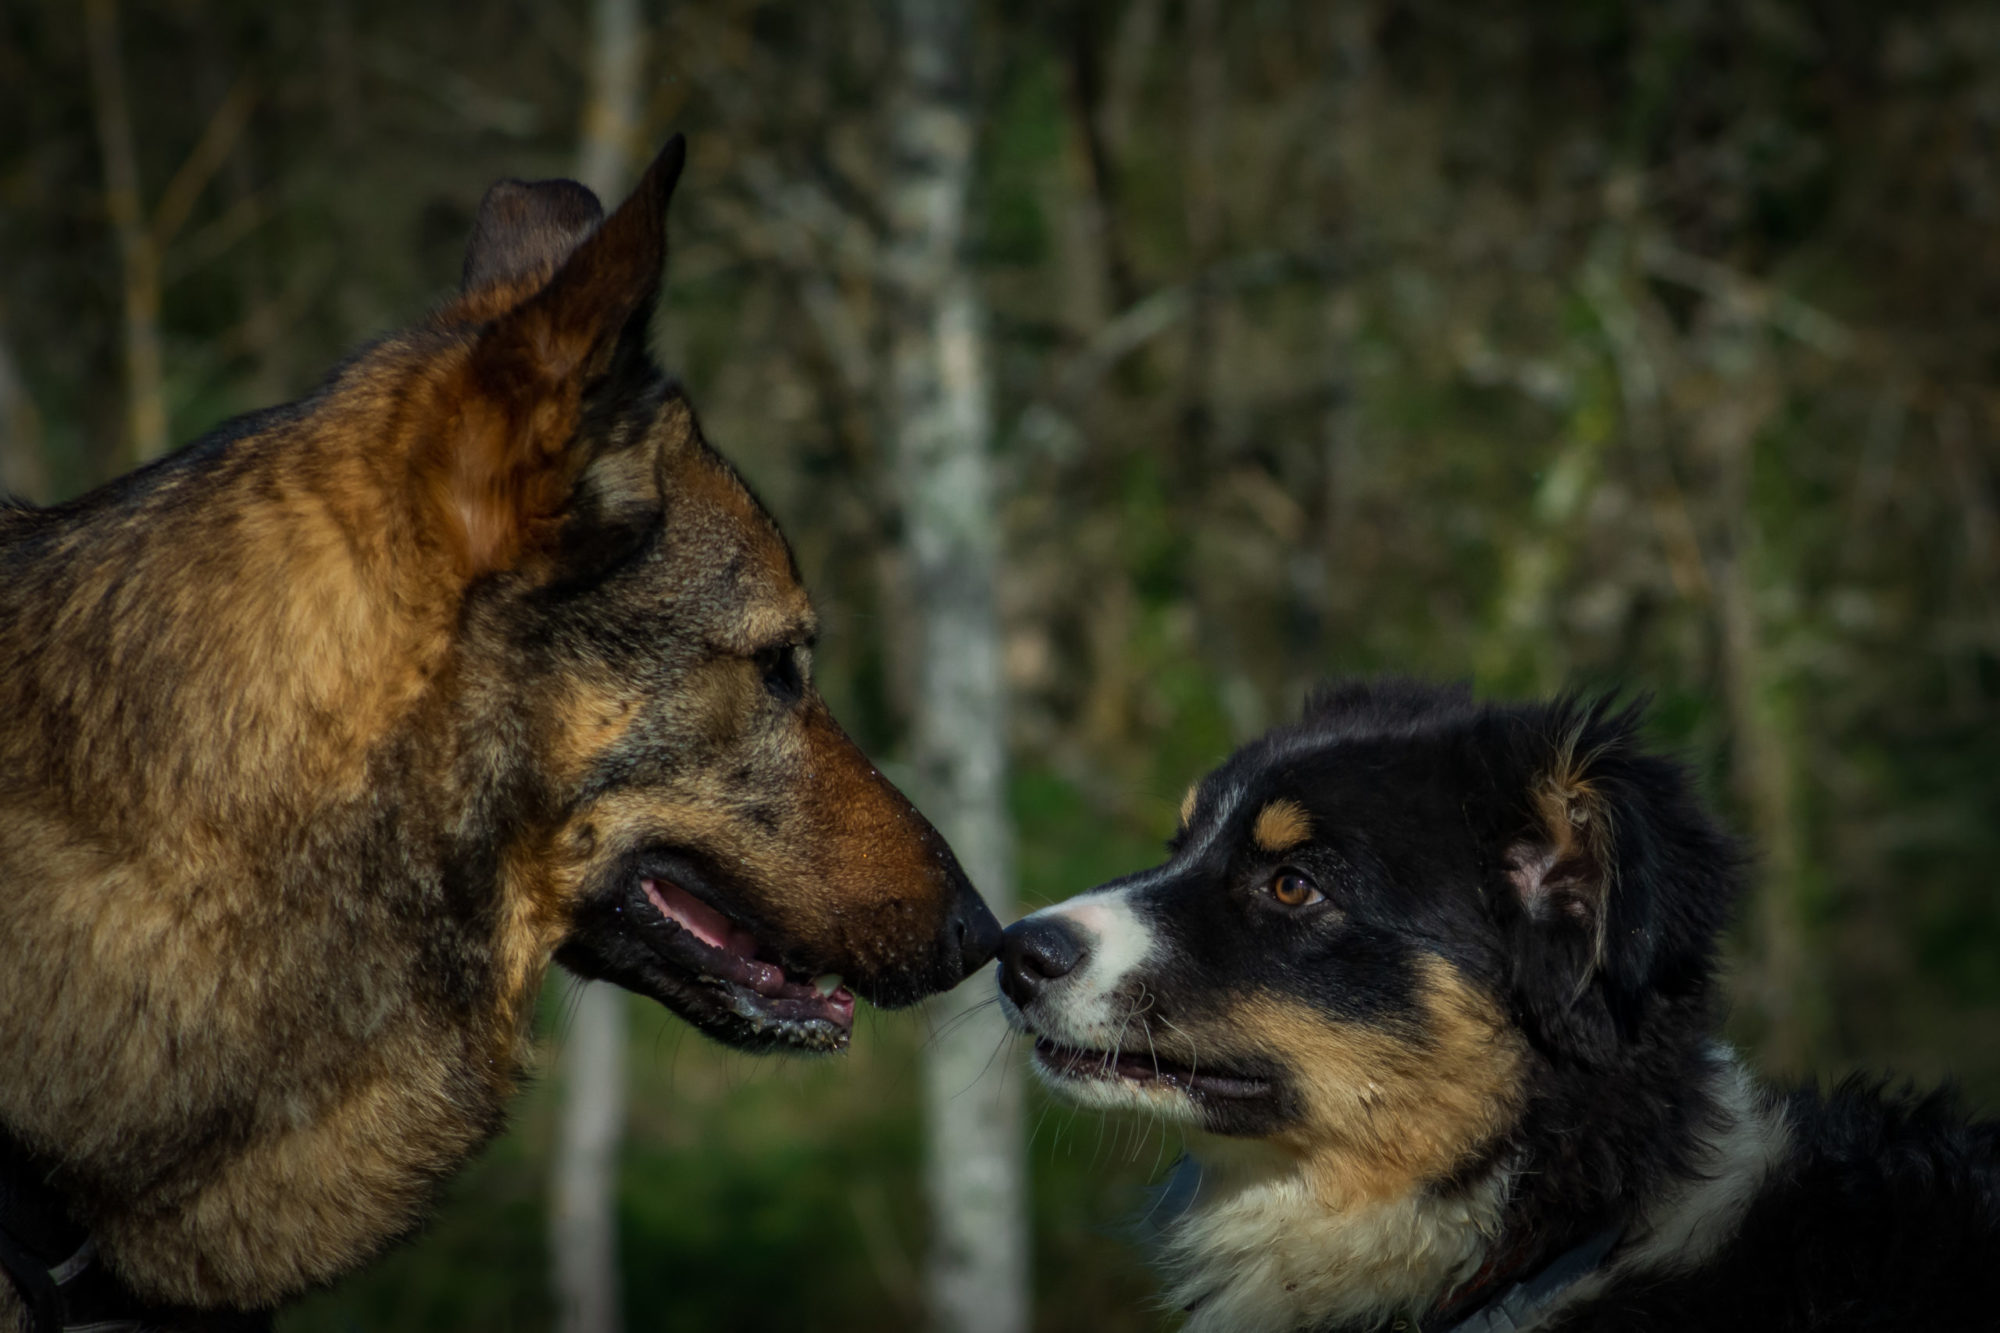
320	738
1432	986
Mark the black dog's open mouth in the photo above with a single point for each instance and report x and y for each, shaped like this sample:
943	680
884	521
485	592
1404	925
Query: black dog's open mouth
657	938
1143	1067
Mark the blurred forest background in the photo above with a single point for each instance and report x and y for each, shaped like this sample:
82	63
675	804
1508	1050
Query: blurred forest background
1553	343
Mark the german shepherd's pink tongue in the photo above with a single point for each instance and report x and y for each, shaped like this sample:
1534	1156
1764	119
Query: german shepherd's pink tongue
733	957
691	914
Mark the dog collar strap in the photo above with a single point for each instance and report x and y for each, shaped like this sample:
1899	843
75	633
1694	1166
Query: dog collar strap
1516	1307
52	1261
44	1291
39	1292
42	1250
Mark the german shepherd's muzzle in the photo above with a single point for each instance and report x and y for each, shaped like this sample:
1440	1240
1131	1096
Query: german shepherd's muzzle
319	738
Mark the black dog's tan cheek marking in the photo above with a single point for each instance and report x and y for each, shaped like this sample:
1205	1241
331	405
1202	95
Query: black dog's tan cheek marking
1383	1112
1187	804
1281	826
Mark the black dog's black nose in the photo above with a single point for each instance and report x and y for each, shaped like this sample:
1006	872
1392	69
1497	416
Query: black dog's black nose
1035	952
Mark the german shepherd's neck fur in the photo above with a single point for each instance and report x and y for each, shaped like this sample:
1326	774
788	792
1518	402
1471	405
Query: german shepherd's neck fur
230	678
225	708
316	738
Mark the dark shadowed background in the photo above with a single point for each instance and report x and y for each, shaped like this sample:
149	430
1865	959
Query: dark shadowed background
1544	344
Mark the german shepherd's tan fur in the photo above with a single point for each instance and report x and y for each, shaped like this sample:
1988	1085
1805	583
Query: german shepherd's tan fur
319	738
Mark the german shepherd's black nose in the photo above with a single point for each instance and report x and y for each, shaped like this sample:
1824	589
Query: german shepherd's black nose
967	937
1034	952
978	932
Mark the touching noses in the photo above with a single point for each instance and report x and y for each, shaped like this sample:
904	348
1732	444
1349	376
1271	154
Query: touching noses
1034	952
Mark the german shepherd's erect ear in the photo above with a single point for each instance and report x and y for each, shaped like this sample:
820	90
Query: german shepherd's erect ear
506	467
1590	830
323	736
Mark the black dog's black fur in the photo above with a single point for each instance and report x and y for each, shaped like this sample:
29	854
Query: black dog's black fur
1536	863
1886	1216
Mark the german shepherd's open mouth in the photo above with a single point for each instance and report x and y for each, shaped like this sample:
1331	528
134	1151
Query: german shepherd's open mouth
665	936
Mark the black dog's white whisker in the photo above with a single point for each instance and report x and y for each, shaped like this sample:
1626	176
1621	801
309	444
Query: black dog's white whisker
941	1031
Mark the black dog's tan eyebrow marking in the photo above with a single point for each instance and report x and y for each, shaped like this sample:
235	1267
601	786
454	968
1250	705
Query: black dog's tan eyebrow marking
1281	826
1187	803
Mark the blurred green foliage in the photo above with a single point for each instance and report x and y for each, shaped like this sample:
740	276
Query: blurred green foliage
1574	344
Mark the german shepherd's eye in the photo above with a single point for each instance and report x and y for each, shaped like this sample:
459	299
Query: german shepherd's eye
1295	888
780	669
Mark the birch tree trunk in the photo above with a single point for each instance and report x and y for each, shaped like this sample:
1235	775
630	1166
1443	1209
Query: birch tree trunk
611	106
941	427
583	1193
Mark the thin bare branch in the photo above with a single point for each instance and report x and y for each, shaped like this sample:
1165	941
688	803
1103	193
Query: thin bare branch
218	139
146	403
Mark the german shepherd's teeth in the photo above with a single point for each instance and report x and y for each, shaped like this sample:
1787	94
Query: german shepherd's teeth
827	984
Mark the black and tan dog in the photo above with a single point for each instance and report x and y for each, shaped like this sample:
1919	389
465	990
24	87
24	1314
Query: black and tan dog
1432	986
320	737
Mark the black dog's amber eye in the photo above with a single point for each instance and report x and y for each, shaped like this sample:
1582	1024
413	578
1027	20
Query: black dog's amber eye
780	669
1294	888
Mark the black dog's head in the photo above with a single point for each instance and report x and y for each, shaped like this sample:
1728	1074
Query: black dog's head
1384	931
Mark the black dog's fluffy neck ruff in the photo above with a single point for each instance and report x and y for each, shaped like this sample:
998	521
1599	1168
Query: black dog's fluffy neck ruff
1246	1244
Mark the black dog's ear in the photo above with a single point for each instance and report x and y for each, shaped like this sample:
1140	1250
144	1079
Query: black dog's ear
1599	833
1562	866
